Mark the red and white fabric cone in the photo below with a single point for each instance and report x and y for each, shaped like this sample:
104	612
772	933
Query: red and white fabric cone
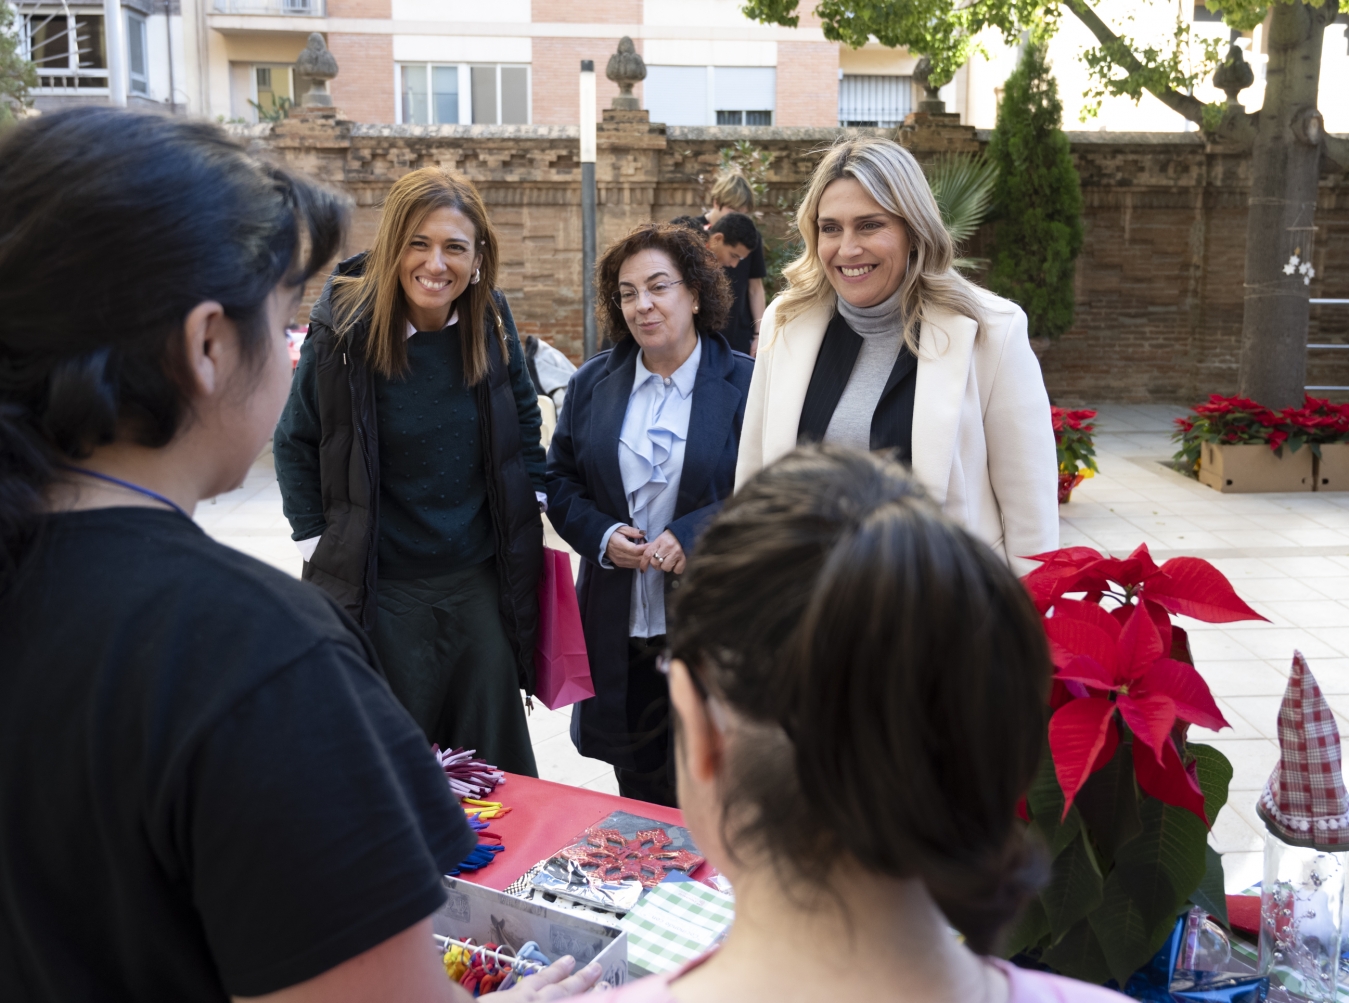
1305	802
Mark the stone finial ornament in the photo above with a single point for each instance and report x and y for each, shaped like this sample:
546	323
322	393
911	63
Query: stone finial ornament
1234	75
625	69
932	103
318	64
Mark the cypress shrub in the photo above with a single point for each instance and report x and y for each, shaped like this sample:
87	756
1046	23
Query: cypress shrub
1038	200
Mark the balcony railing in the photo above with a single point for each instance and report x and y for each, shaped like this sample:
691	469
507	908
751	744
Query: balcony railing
276	8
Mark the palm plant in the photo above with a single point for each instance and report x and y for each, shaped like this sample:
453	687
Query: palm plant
962	184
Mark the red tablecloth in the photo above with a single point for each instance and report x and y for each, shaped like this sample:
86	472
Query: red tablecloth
548	816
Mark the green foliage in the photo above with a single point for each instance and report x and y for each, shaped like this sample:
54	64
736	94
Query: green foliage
279	110
1125	866
1123	67
778	254
17	74
942	30
963	184
1037	201
746	159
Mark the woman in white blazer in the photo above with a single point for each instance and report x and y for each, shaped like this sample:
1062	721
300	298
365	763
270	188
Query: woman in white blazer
880	344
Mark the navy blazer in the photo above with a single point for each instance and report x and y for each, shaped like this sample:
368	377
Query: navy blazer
586	497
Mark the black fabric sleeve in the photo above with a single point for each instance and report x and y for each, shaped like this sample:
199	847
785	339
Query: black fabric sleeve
757	267
318	824
526	402
295	449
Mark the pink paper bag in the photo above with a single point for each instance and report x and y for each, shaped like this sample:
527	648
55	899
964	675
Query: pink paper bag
561	665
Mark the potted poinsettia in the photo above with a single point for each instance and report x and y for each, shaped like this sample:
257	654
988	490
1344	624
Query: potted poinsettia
1075	446
1235	444
1123	800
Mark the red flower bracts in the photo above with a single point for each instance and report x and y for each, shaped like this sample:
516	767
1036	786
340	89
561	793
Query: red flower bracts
1129	666
1238	420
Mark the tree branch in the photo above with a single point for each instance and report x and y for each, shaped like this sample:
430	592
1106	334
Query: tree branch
1336	150
1188	106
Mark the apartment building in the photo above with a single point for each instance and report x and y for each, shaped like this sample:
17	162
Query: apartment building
515	62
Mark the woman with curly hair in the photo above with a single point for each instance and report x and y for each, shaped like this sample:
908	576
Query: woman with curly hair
643	456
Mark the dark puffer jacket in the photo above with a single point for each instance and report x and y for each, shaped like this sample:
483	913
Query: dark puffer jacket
344	462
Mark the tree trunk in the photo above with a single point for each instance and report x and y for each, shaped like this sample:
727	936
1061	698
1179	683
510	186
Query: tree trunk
1285	166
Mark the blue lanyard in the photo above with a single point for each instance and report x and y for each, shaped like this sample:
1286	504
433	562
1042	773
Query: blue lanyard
128	485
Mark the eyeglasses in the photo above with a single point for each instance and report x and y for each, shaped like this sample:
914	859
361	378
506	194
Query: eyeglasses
663	661
657	291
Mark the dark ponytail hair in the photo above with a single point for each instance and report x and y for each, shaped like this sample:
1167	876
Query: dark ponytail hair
113	226
891	674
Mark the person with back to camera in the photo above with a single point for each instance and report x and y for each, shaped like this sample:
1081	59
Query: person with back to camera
642	457
207	791
879	343
860	692
411	469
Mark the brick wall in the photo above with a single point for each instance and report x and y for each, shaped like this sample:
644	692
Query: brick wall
1159	281
365	87
590	12
556	86
807	81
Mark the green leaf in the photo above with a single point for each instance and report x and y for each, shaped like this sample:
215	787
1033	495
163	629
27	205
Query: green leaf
1215	774
1029	929
1211	895
962	184
1058	837
1127	937
1156	872
1078	955
1074	888
1108	802
1045	797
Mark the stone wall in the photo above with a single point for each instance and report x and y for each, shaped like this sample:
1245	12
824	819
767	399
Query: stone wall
1159	282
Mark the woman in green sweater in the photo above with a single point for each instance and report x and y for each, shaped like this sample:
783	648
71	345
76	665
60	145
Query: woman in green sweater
411	470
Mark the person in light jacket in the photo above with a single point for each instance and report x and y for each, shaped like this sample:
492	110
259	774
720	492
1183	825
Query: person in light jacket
880	344
643	456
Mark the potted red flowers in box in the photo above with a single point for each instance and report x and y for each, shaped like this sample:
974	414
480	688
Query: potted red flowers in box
1235	444
1123	800
1076	449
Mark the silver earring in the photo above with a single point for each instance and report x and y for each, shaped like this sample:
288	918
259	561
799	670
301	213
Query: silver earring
476	276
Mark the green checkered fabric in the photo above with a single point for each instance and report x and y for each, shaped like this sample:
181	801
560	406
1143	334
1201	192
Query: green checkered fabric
673	923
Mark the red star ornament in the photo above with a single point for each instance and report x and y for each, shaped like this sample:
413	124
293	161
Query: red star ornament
614	858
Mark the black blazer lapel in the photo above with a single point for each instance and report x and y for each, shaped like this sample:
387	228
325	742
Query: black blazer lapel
608	408
833	367
711	423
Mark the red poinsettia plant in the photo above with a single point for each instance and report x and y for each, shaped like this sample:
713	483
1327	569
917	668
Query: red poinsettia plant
1123	800
1239	421
1073	431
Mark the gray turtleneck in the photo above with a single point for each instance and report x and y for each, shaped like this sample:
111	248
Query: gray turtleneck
880	327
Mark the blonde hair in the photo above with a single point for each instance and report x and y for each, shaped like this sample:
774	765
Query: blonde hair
732	191
377	294
893	178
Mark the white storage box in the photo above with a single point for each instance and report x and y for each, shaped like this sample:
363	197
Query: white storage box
489	916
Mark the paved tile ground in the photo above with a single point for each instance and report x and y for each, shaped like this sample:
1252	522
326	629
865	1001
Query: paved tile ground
1287	555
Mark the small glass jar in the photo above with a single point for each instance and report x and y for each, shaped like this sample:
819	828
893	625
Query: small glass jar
1301	907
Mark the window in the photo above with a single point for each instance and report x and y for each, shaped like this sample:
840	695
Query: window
137	63
1202	13
880	101
707	95
744	95
676	95
273	92
67	48
501	95
744	117
431	94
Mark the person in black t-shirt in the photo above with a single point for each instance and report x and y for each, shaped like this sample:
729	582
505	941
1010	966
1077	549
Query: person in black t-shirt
738	247
207	790
733	193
